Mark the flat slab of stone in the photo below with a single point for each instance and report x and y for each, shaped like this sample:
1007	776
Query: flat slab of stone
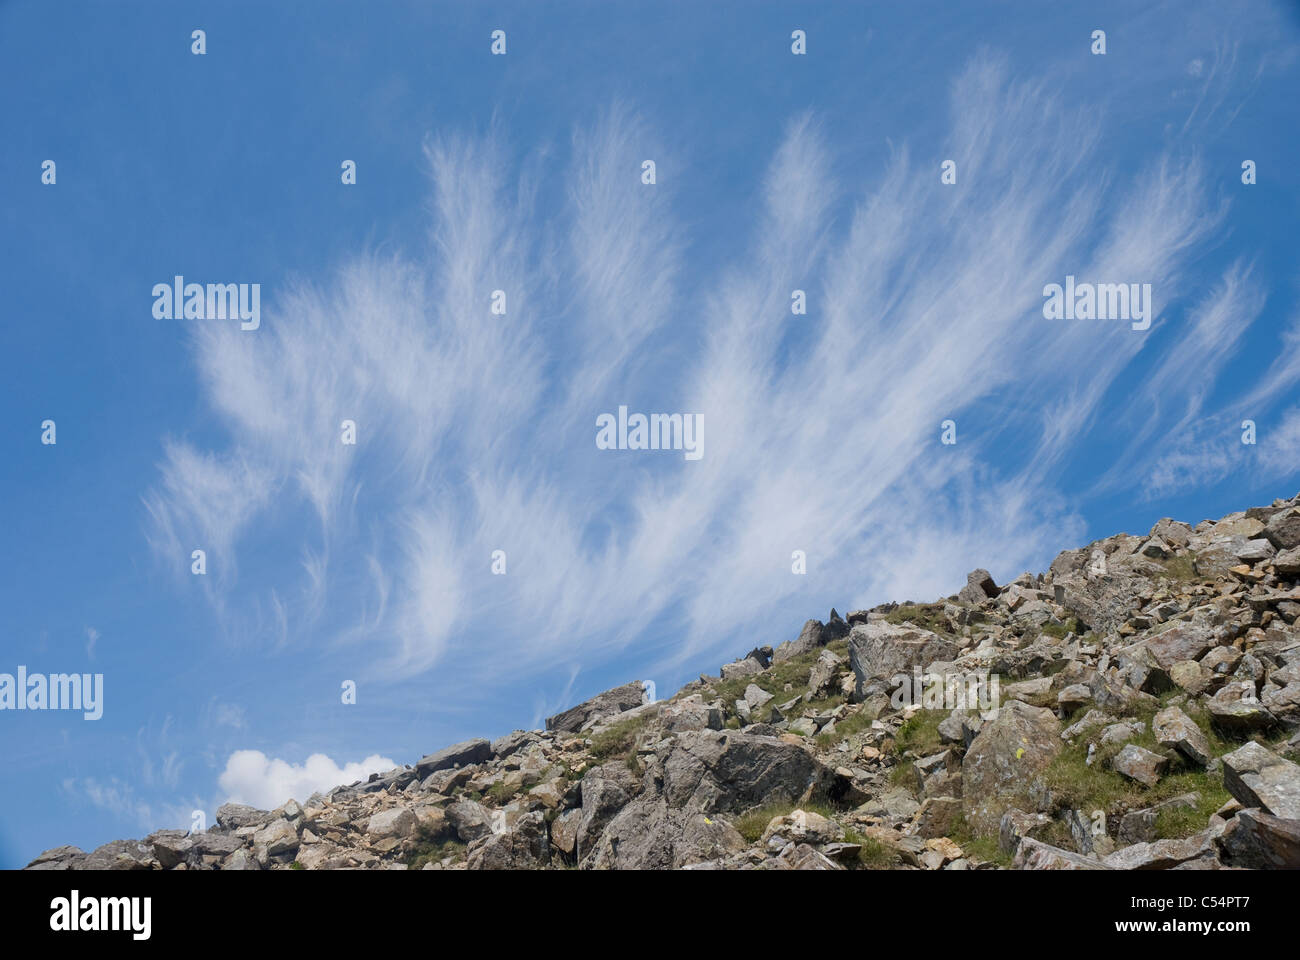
602	705
457	755
1257	777
1036	855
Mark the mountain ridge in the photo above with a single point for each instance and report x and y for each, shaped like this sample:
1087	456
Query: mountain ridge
1135	706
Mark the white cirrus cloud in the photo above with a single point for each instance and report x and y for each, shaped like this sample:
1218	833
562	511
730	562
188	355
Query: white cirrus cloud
476	431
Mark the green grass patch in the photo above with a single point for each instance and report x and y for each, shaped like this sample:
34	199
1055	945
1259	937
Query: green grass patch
927	616
618	741
1059	630
1098	787
772	680
872	854
977	847
920	733
752	823
1181	568
434	851
501	791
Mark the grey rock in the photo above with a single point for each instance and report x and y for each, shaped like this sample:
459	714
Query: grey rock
1002	766
58	858
397	822
691	713
469	820
171	847
1165	854
119	855
525	845
747	667
1257	777
1139	826
979	587
1141	765
1235	711
232	816
1283	530
598	707
1173	728
881	650
279	838
727	770
812	636
1255	840
1035	855
457	755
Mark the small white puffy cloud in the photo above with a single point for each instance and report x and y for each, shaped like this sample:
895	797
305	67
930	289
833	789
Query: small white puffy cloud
254	778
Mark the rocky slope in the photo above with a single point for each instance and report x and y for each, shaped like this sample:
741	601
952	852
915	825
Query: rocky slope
1146	716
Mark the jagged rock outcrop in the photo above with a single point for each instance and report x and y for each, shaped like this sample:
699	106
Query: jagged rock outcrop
892	738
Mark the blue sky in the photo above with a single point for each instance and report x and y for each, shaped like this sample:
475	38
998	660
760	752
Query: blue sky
476	431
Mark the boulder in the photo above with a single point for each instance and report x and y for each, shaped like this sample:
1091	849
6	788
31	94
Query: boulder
525	845
1139	826
1255	840
812	636
979	587
1180	641
469	820
881	650
1141	765
119	855
729	771
1283	529
278	837
457	755
690	713
801	826
1257	777
605	791
1164	854
649	834
1003	764
398	822
1173	728
1035	855
747	667
232	816
598	707
936	817
1236	712
1016	825
58	858
171	847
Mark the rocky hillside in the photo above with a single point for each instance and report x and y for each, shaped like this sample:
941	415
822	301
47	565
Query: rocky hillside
1145	715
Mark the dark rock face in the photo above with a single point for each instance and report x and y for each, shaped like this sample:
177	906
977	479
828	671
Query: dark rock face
1255	840
727	771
